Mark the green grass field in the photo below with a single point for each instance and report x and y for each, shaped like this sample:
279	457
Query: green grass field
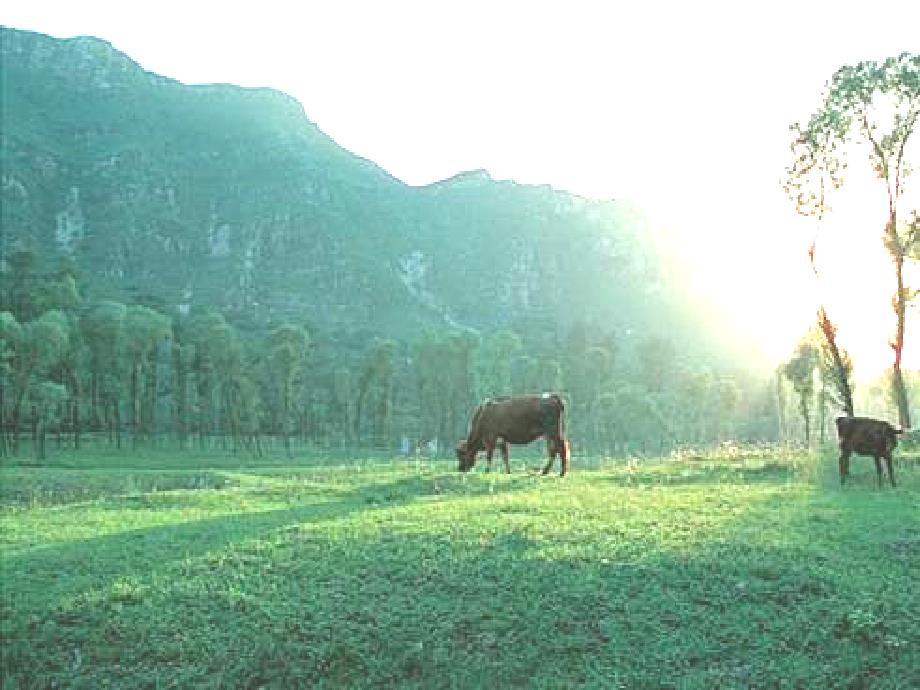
137	572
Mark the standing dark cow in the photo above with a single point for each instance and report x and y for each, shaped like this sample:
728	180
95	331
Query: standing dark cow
866	436
516	420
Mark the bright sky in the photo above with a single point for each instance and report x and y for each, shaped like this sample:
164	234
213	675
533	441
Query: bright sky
681	106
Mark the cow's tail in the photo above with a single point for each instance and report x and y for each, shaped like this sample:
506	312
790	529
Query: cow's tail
557	410
561	417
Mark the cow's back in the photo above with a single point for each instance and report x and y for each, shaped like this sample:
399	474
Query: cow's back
866	436
520	419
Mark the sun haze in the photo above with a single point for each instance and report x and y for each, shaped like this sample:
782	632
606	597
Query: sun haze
682	107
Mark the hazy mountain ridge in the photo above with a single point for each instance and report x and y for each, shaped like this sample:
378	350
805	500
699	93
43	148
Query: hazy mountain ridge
230	197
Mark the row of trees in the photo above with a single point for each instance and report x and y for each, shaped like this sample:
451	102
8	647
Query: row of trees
110	367
133	374
813	389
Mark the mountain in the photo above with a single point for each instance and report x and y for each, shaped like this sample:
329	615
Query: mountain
229	197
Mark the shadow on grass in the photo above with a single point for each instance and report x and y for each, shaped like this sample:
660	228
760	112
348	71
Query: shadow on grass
772	596
43	486
56	487
307	504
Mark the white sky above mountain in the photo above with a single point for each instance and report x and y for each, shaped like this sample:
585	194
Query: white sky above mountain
683	107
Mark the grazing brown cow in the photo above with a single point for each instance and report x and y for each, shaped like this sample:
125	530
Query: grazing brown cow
866	436
516	420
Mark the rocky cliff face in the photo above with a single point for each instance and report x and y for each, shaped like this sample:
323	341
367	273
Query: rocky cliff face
230	197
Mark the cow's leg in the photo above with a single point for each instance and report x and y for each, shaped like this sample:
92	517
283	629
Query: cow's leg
490	449
503	445
551	448
890	470
565	453
878	470
844	466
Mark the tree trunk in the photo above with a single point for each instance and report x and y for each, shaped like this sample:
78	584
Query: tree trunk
116	418
822	415
97	422
780	407
803	408
35	431
285	413
840	376
900	307
359	409
3	444
76	424
180	386
135	402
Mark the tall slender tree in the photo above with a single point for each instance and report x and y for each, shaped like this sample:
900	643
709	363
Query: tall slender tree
102	326
497	354
144	329
872	109
288	350
10	338
376	378
38	347
835	365
800	371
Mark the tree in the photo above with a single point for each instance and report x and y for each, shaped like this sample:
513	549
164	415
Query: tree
729	397
241	400
377	378
210	345
800	370
577	379
343	401
525	375
873	108
835	365
10	337
429	368
73	366
497	355
144	329
103	330
47	401
20	295
288	351
183	357
599	367
37	346
656	360
694	390
630	414
462	348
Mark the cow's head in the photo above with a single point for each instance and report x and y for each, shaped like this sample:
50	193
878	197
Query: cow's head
466	456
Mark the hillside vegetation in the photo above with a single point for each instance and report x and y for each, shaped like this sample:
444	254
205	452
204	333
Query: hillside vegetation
202	263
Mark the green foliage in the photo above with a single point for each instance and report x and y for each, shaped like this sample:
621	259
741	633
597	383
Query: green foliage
375	388
103	329
200	223
230	199
499	350
800	371
870	110
10	336
871	103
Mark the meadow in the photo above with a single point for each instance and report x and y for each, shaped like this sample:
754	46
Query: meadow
723	571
